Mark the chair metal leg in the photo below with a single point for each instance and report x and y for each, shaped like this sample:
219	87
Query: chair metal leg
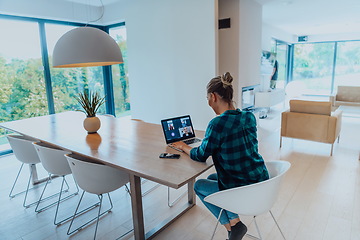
280	141
98	216
257	228
282	234
69	232
149	190
127	189
170	204
26	192
63	199
217	223
16	179
10	194
37	210
332	148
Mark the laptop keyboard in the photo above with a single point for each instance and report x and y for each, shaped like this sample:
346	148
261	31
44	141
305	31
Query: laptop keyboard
191	141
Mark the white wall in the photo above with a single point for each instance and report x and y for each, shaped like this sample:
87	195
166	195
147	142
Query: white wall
270	32
56	10
240	45
229	42
334	37
171	57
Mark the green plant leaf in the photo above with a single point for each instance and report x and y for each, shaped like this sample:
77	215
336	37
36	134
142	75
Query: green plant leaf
90	102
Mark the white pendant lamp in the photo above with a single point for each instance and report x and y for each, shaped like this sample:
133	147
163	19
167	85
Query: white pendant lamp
86	47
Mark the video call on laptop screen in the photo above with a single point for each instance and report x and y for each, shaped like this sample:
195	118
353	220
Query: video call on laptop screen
176	129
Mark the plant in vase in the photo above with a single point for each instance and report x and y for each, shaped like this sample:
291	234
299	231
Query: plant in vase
90	103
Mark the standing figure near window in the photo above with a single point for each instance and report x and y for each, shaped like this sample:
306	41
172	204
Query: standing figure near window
231	140
274	75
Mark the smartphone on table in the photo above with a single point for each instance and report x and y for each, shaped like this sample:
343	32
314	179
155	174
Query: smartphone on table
169	155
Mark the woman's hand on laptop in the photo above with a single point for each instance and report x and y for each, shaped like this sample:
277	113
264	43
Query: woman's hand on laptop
182	146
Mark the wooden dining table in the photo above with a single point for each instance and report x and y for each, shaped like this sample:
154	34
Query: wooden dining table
125	144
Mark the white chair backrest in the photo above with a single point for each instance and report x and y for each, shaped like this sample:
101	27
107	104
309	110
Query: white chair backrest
53	159
95	177
23	148
253	199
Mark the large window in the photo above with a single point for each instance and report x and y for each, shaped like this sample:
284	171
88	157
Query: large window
68	82
31	87
22	81
120	74
347	71
313	65
324	66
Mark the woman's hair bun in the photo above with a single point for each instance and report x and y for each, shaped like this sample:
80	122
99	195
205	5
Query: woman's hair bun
226	79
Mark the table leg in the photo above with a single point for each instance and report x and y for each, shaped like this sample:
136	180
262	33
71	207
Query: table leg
176	214
33	171
137	208
34	175
138	215
191	192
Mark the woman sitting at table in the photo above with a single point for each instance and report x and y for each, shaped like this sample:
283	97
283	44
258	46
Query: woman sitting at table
231	140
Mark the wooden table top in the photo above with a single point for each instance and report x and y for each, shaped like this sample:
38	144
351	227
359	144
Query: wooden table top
123	143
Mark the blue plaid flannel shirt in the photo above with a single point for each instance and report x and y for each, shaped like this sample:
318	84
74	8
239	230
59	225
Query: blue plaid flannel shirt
231	140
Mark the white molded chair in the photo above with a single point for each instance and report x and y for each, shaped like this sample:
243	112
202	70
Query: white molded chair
54	161
25	153
254	199
96	178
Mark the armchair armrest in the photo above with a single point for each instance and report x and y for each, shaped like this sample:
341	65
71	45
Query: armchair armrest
284	122
334	126
332	99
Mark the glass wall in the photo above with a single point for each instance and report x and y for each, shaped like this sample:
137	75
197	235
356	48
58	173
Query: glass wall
347	71
22	81
120	74
313	65
68	82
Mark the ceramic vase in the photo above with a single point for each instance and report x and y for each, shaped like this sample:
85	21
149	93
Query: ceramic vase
92	124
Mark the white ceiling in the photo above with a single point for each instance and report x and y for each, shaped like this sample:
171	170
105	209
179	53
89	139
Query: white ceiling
309	17
299	17
95	3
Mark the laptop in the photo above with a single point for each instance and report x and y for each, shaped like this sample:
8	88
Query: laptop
180	129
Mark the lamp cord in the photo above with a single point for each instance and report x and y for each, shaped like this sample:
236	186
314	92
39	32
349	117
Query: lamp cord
102	14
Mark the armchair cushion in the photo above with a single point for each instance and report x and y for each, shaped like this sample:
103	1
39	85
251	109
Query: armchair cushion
348	94
311	107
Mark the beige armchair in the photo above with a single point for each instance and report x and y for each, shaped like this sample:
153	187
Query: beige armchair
311	120
346	95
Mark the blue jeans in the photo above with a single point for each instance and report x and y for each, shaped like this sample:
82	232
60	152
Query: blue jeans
205	187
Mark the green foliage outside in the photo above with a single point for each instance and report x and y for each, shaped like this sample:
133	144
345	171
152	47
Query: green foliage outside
22	93
313	65
121	81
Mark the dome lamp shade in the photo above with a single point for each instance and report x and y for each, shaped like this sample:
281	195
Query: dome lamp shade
86	47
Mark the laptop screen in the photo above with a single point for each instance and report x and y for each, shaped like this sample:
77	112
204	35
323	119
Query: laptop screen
178	128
